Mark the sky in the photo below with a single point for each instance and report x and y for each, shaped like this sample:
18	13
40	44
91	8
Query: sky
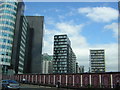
89	25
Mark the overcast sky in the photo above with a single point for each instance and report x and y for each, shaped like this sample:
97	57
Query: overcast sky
89	25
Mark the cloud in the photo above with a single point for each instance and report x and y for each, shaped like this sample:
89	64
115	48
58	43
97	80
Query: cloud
63	28
57	10
80	45
37	14
72	12
111	55
50	21
100	14
69	28
54	10
113	27
61	17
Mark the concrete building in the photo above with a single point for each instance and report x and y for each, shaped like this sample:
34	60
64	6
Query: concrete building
77	68
81	69
20	45
97	60
64	59
47	64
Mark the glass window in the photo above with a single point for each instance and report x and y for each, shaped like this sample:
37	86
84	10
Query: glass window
6	60
13	3
10	12
7	29
4	40
3	46
7	22
8	17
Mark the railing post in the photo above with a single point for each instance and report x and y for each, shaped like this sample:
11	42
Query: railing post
36	78
44	79
111	78
54	80
81	80
90	80
49	79
40	79
73	80
60	79
66	80
32	79
100	81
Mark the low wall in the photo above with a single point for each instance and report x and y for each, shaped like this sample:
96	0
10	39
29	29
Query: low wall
85	80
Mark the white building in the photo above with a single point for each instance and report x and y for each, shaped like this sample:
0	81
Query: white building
47	65
97	60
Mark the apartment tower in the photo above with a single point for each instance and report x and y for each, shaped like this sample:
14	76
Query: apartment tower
97	60
64	59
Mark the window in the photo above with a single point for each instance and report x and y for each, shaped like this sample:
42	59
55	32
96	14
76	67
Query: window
3	46
8	17
8	11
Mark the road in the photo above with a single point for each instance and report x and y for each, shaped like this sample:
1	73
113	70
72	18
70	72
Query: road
37	87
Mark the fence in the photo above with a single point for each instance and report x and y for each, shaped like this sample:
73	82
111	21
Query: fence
85	80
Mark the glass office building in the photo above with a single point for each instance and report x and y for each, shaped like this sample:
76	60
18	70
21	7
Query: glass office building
19	34
8	12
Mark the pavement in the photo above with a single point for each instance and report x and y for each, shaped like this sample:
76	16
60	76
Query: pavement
37	87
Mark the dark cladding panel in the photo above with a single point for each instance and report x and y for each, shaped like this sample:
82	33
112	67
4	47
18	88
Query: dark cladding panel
36	22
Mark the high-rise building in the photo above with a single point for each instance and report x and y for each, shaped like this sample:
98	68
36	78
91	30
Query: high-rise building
36	25
20	46
81	69
20	38
47	65
77	68
8	25
97	60
64	60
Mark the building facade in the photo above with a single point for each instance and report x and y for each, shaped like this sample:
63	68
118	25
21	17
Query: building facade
81	69
47	64
36	24
77	68
97	60
22	46
64	59
8	17
20	38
